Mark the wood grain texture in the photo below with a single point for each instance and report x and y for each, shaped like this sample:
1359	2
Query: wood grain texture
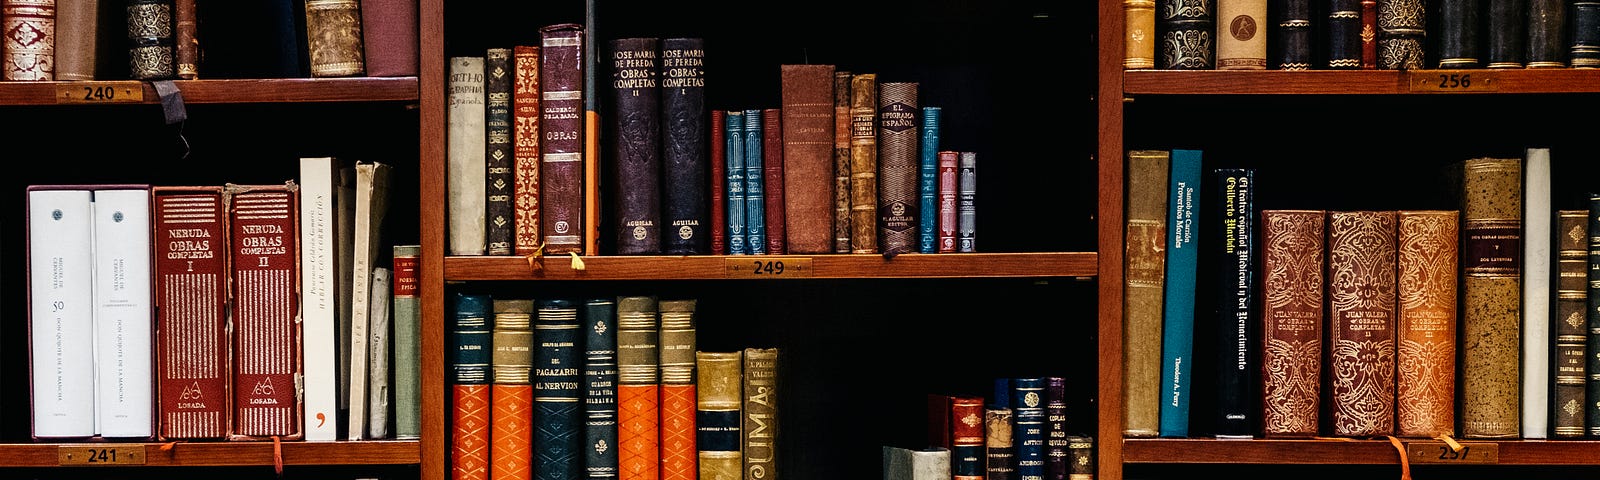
1336	451
431	165
667	267
202	454
1328	82
271	90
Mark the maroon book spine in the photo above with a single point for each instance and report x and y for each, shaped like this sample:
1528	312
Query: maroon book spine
1291	315
389	28
719	174
1369	34
561	170
264	229
772	178
949	166
1361	353
191	300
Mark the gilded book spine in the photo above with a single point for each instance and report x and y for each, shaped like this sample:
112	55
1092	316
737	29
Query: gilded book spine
717	418
897	167
1401	31
966	437
561	172
150	40
1291	316
511	365
755	194
719	183
1187	34
949	167
191	322
187	43
558	417
600	396
760	412
1139	17
841	161
864	163
1571	324
471	347
967	203
1361	303
525	113
1425	379
1343	34
1490	385
333	33
1000	453
1547	24
638	385
29	45
636	98
265	323
497	84
1144	268
678	400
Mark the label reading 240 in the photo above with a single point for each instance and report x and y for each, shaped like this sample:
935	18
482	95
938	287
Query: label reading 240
99	92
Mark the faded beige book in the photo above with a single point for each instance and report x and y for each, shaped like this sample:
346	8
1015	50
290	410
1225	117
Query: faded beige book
1144	272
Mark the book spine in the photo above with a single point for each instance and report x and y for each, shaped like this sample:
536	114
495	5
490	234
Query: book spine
1507	32
150	40
1244	47
1458	33
1343	34
966	438
940	428
809	144
467	165
1292	37
28	57
371	192
1236	311
949	165
636	93
600	393
1027	435
557	375
678	397
1144	271
1187	34
1592	322
191	326
760	414
469	441
841	161
1081	451
909	464
1139	30
719	182
525	115
772	176
265	320
967	203
864	163
1490	385
1055	432
60	313
77	23
589	60
1571	329
898	167
1177	329
379	353
1361	327
407	298
319	281
1547	23
717	416
512	396
755	198
1000	453
683	111
1425	380
638	385
124	400
389	37
928	182
333	33
1369	34
1585	34
1292	260
735	181
498	154
1536	266
470	353
1402	27
561	152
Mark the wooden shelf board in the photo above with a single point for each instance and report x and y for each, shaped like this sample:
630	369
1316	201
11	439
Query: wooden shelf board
708	267
213	454
1336	451
276	90
1345	82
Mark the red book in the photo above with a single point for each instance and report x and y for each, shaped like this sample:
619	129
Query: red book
949	167
469	442
966	438
561	157
389	37
264	225
719	181
191	304
1369	34
772	178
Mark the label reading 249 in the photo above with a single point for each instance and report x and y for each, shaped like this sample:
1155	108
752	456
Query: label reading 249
762	266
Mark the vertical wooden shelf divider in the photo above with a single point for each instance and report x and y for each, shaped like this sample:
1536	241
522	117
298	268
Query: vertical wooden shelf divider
431	172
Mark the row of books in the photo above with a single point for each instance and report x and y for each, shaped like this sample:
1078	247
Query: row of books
1359	34
604	387
1413	323
1019	432
844	165
221	312
72	40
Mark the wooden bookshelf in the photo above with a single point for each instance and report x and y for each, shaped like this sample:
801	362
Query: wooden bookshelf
272	90
214	454
1349	82
707	267
1339	452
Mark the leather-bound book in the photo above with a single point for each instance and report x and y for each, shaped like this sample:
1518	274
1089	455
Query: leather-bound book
636	124
1236	313
760	412
466	166
191	305
499	231
1569	394
719	183
949	167
1241	34
1585	34
470	353
864	163
1507	33
1361	322
30	40
638	388
841	161
389	37
809	145
600	392
772	184
966	437
678	399
1458	32
1187	30
1000	456
684	216
1425	381
186	38
558	416
1547	41
1402	27
263	222
77	23
1027	434
1369	34
967	203
720	393
1290	45
1144	268
897	167
1055	428
1343	34
1139	29
1292	259
755	185
1081	450
511	366
525	113
928	181
1491	346
561	175
151	40
733	179
333	38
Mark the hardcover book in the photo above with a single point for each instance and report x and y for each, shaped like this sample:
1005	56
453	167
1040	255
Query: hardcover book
949	167
1507	32
735	181
999	452
638	388
77	24
1236	311
928	182
719	390
1292	260
525	114
1569	394
685	220
1592	340
1187	34
898	167
1027	435
678	397
558	416
600	387
471	346
916	464
1177	316
1458	22
321	259
1291	37
1139	28
60	312
407	300
1536	266
636	124
1055	431
1144	272
264	228
371	206
191	323
1369	35
1425	383
1402	27
1490	382
499	228
389	37
1547	41
512	395
333	35
772	175
1585	34
561	154
755	197
966	437
1081	450
466	167
939	415
1244	46
1343	33
760	411
124	401
1361	324
150	40
841	161
967	203
809	145
719	182
864	163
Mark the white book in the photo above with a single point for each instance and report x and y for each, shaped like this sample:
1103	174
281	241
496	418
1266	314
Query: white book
123	313
378	355
466	192
372	190
319	294
1536	298
60	312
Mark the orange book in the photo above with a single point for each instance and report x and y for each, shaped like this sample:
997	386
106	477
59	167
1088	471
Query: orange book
638	389
679	457
511	432
469	453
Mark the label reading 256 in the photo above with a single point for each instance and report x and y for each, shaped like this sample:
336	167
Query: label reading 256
762	266
1453	81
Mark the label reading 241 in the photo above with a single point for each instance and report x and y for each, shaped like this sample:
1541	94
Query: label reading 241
100	455
99	92
760	266
1453	81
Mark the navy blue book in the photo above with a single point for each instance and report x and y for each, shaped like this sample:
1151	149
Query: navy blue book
470	338
686	218
1177	328
1235	312
557	416
1028	426
755	199
600	387
735	191
928	185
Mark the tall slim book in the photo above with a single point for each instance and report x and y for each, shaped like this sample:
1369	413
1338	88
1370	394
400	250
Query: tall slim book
561	168
379	352
1177	322
755	195
719	183
499	158
685	220
60	313
1027	435
638	388
1237	315
841	161
151	40
760	411
407	308
734	169
1490	389
636	126
1292	259
191	317
1592	320
1055	428
1569	394
678	398
557	373
599	317
470	351
1425	385
719	392
928	181
123	311
1361	322
371	207
1143	275
525	113
1537	260
466	167
772	175
264	224
864	163
898	167
320	292
808	143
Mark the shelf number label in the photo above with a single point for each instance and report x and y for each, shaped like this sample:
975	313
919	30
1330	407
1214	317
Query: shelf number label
1440	452
92	455
762	266
99	92
1453	81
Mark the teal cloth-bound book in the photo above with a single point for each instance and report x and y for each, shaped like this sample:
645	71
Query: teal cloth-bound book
735	191
755	200
1177	329
928	184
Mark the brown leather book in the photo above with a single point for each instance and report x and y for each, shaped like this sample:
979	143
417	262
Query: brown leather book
389	37
1291	316
841	161
1491	289
191	314
808	157
1144	268
1571	332
77	22
1361	327
29	43
864	163
333	38
263	223
760	412
561	168
898	167
772	180
1425	381
186	42
525	114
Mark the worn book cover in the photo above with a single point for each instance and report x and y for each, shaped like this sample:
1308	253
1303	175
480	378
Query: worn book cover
1292	260
407	301
1361	322
151	40
1490	378
191	319
1144	269
1537	261
1425	383
1290	45
466	168
638	388
77	27
809	146
525	113
733	178
1028	426
841	161
561	168
720	392
379	354
499	161
389	37
264	228
864	163
636	127
1460	26
967	203
512	396
1570	324
772	175
760	412
1236	313
371	210
333	36
949	168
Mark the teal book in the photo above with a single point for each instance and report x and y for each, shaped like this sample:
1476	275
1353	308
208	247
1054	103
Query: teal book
928	184
755	199
735	191
1177	330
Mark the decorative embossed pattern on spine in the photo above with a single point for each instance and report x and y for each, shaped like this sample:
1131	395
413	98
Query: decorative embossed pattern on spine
1592	339
511	433
1571	323
1187	34
191	276
525	113
949	220
1292	36
864	163
685	229
469	441
1291	316
1361	301
897	167
636	123
558	452
678	410
1144	268
561	176
263	221
600	396
1401	29
1425	379
1491	343
333	34
841	161
638	384
1139	48
497	84
29	43
150	40
720	387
